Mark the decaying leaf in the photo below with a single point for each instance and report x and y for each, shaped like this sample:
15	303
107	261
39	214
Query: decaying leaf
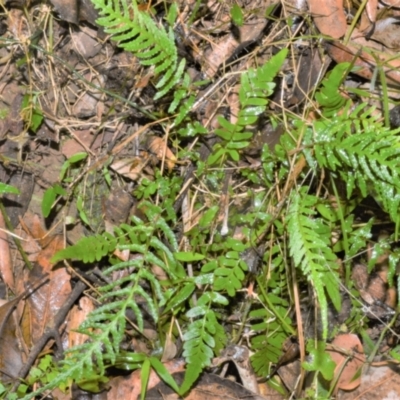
10	354
68	9
130	168
6	271
366	54
129	387
348	354
387	32
158	147
47	301
329	16
77	315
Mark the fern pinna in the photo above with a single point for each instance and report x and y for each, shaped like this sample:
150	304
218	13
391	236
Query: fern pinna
151	43
358	147
255	88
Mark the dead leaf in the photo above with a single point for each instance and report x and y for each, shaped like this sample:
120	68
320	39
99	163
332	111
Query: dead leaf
118	206
376	383
392	3
348	354
6	269
68	10
10	354
240	356
387	32
77	315
131	168
365	60
44	256
17	205
33	226
129	387
208	386
158	147
329	17
230	44
371	9
85	42
45	302
170	349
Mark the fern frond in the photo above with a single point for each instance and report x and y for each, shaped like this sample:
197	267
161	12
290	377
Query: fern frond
152	44
364	154
88	249
199	347
311	252
256	86
328	96
105	326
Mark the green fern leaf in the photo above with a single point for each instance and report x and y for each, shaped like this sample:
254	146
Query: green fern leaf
365	156
256	86
328	96
198	351
88	249
150	43
311	252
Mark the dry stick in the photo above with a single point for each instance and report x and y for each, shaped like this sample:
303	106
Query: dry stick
50	332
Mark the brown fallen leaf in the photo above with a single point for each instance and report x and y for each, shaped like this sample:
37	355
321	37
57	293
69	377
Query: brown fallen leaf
230	44
131	168
67	9
45	302
329	17
6	270
208	387
129	387
10	354
240	356
392	3
76	316
158	147
348	354
170	349
371	9
387	32
366	56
